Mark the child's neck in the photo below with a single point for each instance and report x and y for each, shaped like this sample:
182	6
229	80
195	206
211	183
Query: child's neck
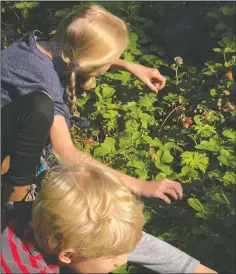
44	47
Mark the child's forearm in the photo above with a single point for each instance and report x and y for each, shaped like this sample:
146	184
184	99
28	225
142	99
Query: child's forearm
63	147
203	269
134	184
122	64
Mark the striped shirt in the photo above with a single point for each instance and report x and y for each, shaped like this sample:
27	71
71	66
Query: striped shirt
19	252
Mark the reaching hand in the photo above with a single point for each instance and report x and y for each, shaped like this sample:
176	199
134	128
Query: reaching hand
149	76
160	188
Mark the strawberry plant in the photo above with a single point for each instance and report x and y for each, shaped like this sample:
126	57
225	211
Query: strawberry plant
185	132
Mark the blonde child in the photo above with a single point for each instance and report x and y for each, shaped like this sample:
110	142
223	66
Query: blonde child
33	69
84	218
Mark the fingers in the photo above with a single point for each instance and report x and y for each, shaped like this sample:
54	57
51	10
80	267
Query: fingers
172	193
176	186
164	198
153	86
161	79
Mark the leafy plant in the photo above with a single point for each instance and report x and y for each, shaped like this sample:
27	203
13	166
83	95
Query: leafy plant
185	132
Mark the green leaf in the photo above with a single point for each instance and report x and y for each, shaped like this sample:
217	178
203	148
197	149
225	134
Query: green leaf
125	77
210	145
97	92
120	269
220	197
148	215
228	10
109	143
136	164
123	142
53	31
21	5
213	92
62	12
147	101
160	176
100	151
111	114
197	119
152	142
229	41
195	160
218	50
135	136
214	174
185	170
196	204
213	15
162	157
31	5
171	97
169	145
128	57
168	236
220	26
78	145
227	64
167	157
142	174
229	133
229	178
107	91
151	59
205	130
111	106
166	169
226	158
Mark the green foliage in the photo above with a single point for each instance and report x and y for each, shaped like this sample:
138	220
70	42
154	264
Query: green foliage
195	160
144	135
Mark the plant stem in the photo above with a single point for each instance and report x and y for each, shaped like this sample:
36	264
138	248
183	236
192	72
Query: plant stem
169	116
176	76
225	57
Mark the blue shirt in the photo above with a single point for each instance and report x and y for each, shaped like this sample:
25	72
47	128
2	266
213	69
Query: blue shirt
24	68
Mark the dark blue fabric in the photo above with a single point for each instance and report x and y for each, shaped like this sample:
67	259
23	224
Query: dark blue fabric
24	68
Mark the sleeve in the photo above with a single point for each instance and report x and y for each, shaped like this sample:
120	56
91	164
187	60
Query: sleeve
62	110
161	257
54	89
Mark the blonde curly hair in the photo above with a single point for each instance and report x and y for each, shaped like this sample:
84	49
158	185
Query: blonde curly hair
88	209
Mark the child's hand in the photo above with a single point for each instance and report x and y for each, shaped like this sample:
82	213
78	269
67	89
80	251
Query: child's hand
149	76
160	188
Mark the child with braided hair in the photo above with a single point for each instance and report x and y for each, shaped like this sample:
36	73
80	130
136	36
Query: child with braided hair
88	42
33	70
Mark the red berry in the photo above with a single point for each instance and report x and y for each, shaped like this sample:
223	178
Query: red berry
188	121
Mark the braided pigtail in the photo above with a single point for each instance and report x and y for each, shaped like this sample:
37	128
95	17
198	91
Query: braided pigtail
71	92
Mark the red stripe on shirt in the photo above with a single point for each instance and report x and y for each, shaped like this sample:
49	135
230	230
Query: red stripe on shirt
32	259
14	250
4	265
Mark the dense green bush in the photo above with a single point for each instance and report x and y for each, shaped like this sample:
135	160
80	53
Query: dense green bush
185	132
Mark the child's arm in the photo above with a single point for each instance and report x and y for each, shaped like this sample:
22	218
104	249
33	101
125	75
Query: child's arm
161	257
63	146
203	269
149	76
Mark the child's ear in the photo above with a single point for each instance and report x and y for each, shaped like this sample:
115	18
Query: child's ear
66	255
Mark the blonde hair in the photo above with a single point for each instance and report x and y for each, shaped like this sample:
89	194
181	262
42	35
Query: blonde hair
94	37
89	209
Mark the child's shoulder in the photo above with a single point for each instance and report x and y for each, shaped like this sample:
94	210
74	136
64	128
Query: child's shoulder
20	253
18	214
